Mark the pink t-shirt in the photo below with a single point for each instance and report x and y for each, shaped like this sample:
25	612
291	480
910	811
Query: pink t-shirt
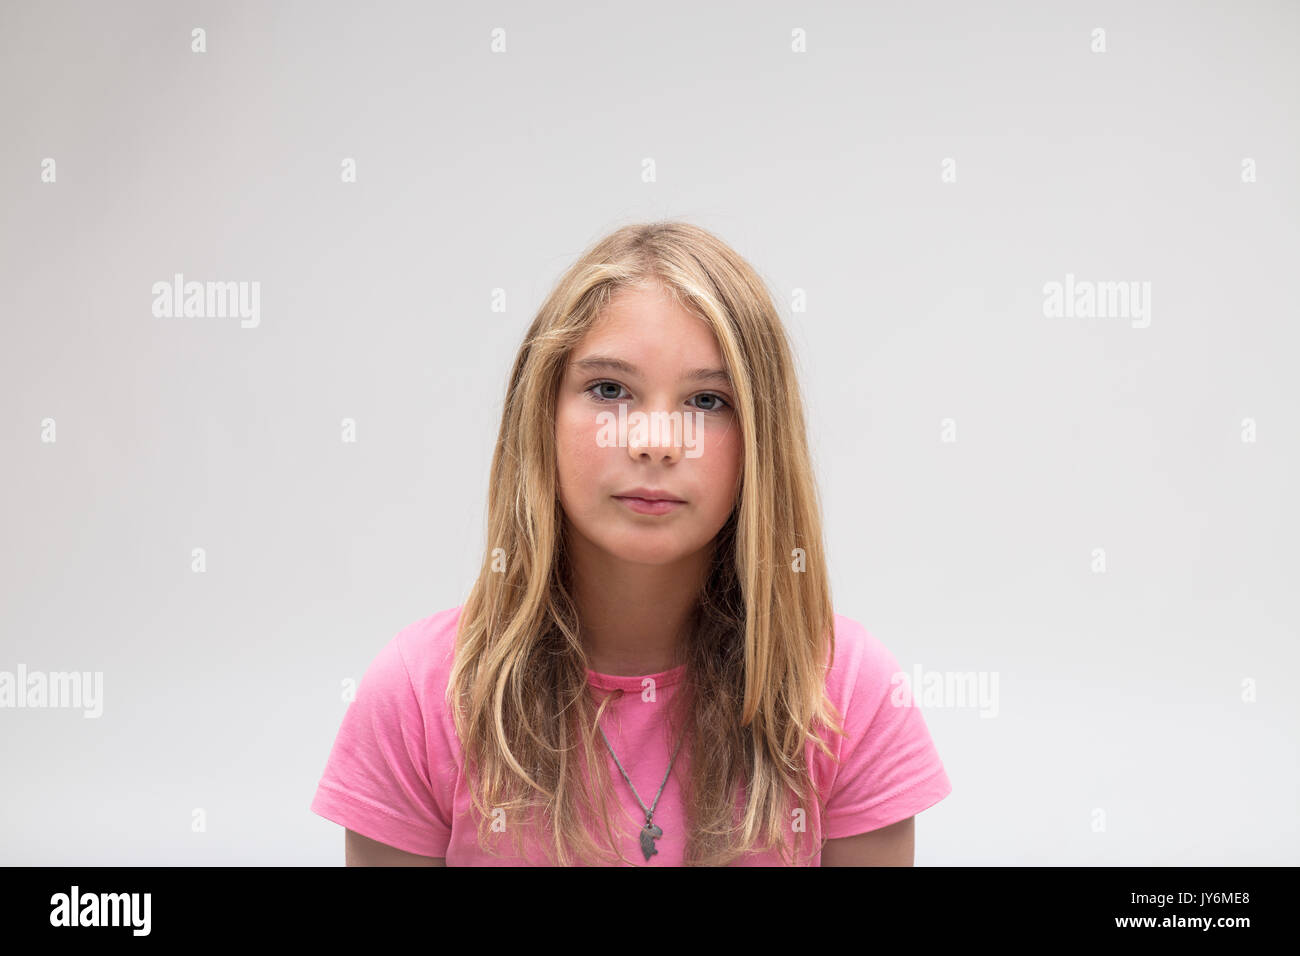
394	773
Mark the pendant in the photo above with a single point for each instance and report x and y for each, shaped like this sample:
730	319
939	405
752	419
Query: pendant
650	833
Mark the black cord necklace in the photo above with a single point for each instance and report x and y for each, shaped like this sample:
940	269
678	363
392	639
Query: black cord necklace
651	831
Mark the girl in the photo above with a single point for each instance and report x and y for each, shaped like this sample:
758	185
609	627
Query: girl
648	669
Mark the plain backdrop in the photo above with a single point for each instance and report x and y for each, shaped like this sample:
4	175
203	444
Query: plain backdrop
1147	713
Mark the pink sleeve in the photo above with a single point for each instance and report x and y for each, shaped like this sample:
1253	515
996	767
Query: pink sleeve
376	780
889	769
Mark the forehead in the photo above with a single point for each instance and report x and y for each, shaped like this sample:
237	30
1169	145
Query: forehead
646	332
651	320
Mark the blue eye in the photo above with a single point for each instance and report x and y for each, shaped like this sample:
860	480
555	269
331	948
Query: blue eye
716	397
720	402
604	398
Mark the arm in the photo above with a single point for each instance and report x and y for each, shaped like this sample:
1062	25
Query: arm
363	851
894	845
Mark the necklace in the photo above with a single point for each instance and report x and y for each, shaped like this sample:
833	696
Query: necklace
650	832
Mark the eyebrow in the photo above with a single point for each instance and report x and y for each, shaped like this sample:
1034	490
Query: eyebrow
594	363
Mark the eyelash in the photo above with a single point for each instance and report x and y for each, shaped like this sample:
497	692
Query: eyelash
594	385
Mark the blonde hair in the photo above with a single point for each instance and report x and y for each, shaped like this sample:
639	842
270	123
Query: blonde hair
761	635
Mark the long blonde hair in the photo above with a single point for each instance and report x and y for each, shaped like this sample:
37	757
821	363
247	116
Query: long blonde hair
762	631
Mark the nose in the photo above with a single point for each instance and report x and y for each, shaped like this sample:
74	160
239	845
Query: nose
659	438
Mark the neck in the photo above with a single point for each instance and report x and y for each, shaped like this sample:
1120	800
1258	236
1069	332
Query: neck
633	618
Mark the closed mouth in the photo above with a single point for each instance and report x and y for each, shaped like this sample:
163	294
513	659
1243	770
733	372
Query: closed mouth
649	494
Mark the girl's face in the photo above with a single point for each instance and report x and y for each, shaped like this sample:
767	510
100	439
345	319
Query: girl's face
652	357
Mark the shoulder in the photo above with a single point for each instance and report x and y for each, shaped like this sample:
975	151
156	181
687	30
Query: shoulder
411	670
429	643
862	668
393	769
885	768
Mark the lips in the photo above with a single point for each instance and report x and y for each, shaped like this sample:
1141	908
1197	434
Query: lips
647	506
649	494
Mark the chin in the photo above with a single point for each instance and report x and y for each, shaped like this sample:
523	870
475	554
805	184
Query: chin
646	552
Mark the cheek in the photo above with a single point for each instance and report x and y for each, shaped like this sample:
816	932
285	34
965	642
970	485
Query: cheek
575	445
723	452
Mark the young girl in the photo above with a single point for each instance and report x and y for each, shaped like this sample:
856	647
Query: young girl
648	669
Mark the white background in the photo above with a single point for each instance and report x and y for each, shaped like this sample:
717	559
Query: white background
1120	692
